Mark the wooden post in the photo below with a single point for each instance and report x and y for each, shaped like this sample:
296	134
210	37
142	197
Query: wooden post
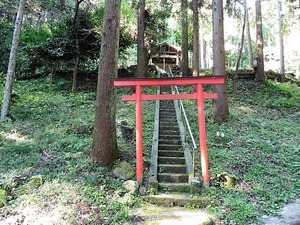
202	134
139	134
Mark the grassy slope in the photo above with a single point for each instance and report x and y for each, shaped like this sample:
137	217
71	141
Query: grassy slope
261	147
45	171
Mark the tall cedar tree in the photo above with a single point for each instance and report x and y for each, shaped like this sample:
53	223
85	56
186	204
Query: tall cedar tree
105	149
221	111
77	50
196	39
184	38
250	54
260	73
12	62
141	57
281	45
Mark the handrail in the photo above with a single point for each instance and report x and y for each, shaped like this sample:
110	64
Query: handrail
187	123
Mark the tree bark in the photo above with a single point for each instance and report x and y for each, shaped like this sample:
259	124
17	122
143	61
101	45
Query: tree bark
250	52
141	59
196	39
238	62
12	62
105	149
77	50
220	108
205	54
281	46
260	73
184	36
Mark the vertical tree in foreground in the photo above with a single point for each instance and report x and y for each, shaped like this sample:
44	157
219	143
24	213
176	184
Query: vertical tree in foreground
141	57
12	62
196	39
220	104
105	149
250	54
281	46
184	38
260	73
77	50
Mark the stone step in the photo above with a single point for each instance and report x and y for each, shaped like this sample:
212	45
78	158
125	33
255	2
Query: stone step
167	115
174	187
168	120
172	178
169	127
169	136
168	132
171	160
172	147
167	168
163	124
176	199
170	153
167	110
165	141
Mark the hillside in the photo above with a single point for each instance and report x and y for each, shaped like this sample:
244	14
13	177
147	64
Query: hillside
47	175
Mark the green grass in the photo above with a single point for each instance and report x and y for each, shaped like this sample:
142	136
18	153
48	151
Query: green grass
261	147
45	168
46	172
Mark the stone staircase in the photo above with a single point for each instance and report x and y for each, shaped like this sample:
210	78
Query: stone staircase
172	173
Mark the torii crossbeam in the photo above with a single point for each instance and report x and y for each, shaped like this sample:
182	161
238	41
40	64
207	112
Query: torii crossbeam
198	95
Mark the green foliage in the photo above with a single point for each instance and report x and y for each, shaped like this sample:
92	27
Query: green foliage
2	197
5	44
44	154
260	147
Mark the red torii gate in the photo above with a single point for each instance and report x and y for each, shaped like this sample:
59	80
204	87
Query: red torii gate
198	95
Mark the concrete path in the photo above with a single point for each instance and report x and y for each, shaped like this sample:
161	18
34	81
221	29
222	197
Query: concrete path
154	215
289	215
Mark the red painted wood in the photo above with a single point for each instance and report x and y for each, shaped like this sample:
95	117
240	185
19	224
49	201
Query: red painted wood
169	97
202	135
168	81
139	134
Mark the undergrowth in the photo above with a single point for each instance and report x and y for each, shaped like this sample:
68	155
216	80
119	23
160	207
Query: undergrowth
47	175
260	147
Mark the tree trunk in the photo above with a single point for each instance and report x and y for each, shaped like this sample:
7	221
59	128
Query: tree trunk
220	109
77	50
260	73
281	46
238	62
141	59
184	44
250	52
196	40
76	64
205	55
105	149
12	62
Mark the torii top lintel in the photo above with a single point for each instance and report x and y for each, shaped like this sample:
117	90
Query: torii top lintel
131	82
